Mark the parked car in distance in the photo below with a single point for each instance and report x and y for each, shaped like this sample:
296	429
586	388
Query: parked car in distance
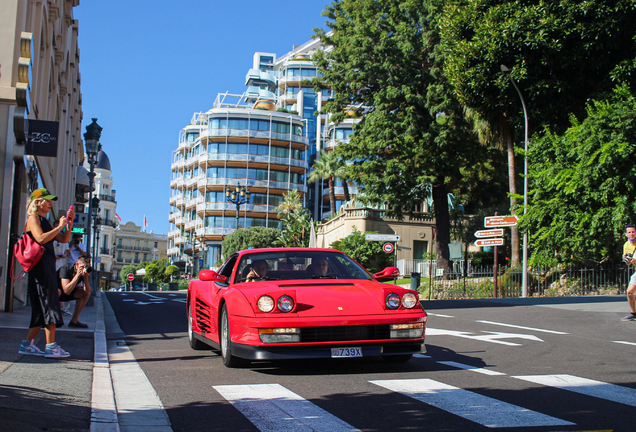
295	303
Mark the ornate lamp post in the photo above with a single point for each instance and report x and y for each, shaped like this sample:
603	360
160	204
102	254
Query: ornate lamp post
239	196
524	275
91	139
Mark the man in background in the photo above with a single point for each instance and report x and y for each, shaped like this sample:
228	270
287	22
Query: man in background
76	249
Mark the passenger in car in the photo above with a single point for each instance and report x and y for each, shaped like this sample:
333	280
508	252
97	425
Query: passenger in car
258	270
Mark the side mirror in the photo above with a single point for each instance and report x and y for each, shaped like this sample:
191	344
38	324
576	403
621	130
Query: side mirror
387	273
211	276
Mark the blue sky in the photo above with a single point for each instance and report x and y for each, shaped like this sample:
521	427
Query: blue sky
147	66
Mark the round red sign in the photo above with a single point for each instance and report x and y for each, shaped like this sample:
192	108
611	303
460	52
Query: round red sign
131	277
387	247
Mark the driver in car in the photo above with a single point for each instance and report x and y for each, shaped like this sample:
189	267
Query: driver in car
319	267
258	271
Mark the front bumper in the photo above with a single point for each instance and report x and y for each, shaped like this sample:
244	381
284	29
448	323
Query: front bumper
252	352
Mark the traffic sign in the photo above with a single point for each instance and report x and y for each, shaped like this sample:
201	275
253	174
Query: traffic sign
387	247
131	277
489	242
489	233
80	221
381	237
500	221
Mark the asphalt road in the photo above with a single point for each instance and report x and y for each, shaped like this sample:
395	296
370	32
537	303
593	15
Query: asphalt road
541	365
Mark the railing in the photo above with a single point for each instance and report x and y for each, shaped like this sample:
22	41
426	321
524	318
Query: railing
104	251
107	198
255	158
250	182
257	134
479	282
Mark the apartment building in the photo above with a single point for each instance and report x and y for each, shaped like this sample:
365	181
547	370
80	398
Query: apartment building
40	104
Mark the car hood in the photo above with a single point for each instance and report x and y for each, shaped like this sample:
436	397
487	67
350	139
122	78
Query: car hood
325	298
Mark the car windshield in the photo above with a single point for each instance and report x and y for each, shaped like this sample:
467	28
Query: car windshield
288	265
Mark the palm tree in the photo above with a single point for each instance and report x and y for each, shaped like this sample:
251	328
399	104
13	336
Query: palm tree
326	167
495	131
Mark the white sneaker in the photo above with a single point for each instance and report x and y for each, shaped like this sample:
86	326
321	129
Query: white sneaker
55	351
66	312
30	349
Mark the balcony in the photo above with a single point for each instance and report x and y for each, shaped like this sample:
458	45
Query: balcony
177	183
178	165
229	206
109	198
258	183
255	134
256	158
104	251
172	216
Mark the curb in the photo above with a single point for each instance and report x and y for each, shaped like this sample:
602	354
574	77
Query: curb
103	408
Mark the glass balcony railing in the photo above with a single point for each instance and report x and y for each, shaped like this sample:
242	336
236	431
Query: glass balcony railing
250	182
256	134
255	158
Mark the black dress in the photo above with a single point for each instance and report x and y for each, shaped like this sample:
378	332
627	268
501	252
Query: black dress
43	286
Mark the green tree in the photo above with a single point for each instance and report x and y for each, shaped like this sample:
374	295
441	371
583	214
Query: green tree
387	61
253	237
296	221
562	53
327	166
368	253
126	270
171	271
583	184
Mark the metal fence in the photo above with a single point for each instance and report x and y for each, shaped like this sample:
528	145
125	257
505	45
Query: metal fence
479	282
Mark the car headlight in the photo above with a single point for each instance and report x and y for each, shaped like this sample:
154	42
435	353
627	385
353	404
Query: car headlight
407	331
265	303
285	304
409	300
393	301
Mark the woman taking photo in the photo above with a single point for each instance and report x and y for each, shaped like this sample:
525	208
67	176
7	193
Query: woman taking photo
43	285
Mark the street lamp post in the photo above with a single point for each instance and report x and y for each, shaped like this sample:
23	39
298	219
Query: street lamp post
91	139
239	196
524	275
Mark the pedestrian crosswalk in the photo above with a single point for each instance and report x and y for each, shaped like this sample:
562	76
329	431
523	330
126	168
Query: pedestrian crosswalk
272	407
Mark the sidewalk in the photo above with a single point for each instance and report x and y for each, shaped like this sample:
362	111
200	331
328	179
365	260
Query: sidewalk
76	393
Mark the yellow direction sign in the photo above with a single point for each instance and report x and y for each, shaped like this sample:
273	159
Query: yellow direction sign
489	242
500	221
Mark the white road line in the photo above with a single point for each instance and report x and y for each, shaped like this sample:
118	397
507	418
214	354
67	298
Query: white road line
480	409
154	297
625	343
440	315
422	356
522	327
272	407
129	300
493	337
599	389
471	368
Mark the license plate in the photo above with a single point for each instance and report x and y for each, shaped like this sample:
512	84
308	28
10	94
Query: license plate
346	352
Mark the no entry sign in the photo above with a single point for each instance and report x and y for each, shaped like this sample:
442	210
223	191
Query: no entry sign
131	277
387	247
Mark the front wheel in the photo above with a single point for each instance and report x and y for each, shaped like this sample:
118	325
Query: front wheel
226	342
195	343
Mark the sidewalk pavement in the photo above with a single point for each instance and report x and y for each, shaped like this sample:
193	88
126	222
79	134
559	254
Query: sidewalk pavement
100	387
